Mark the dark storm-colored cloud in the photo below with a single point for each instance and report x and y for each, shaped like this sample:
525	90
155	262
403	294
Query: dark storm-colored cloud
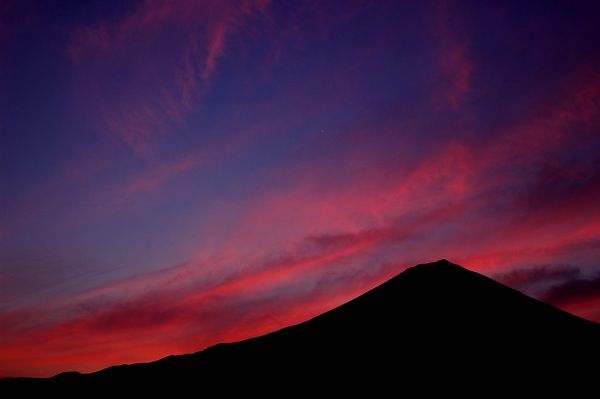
565	286
561	183
573	291
525	278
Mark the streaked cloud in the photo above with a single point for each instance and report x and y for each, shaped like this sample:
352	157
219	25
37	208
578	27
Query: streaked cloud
206	171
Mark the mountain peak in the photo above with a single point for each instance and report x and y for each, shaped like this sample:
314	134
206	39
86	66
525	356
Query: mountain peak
438	265
433	273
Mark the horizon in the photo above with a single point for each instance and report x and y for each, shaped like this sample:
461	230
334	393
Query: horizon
392	295
175	174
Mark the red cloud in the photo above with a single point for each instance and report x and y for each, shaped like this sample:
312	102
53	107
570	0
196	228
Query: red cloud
301	242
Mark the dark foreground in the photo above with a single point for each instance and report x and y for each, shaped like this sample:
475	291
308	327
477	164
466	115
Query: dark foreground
431	325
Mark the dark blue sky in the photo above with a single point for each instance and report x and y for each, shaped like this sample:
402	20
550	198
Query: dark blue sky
179	173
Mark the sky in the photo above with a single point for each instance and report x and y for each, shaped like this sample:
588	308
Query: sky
174	174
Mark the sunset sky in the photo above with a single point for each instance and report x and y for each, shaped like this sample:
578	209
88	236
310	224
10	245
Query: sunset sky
174	174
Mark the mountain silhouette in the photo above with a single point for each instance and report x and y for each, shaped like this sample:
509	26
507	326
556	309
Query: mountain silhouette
431	323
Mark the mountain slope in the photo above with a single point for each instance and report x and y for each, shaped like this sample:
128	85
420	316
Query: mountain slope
436	319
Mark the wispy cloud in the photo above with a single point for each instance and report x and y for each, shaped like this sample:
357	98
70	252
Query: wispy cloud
455	63
156	93
279	160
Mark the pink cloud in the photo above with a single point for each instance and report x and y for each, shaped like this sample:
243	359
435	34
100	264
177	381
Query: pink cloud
454	61
157	94
299	231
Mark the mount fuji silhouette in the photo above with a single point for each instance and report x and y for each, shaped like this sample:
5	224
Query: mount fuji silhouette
433	322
